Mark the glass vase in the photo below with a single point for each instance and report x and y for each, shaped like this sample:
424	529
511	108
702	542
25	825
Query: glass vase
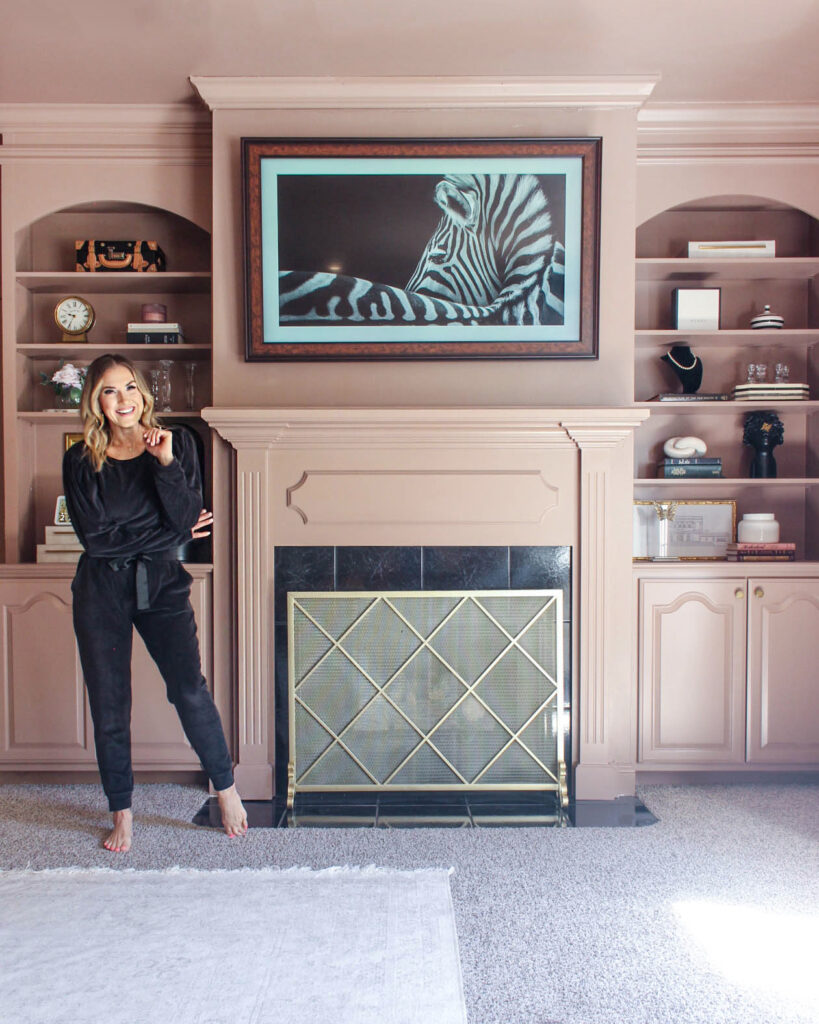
164	385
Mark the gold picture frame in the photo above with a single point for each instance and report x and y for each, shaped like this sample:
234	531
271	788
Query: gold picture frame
71	439
683	529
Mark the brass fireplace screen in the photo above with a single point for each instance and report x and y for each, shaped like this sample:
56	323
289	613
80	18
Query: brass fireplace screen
425	690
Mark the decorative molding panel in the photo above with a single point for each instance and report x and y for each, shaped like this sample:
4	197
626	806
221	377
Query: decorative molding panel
396	93
396	497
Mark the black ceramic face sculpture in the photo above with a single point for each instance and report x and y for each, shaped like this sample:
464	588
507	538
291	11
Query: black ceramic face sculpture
763	432
686	366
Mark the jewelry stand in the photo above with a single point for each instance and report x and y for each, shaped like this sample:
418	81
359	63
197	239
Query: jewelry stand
686	366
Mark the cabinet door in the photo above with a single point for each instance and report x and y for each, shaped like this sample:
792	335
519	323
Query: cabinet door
692	671
157	740
783	671
44	722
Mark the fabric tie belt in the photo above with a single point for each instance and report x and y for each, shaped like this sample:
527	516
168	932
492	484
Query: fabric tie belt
143	597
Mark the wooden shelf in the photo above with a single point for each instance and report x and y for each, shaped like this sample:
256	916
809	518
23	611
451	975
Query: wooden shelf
79	349
126	282
782	482
69	415
740	269
784	338
689	408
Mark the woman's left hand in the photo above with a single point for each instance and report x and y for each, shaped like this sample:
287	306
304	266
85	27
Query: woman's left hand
159	443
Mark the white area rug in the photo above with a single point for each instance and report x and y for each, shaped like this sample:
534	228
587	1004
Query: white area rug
339	946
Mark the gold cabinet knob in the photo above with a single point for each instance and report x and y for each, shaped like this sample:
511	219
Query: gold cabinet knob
759	592
739	594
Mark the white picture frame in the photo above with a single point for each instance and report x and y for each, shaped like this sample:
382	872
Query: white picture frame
683	530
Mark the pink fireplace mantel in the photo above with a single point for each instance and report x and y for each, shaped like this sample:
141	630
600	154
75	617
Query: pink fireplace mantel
443	476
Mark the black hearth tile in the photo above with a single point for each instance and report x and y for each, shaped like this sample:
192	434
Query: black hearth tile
260	813
300	568
466	568
431	820
330	819
378	568
543	568
622	812
496	801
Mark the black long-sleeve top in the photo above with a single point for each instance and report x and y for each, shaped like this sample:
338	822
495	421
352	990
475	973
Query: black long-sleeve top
134	506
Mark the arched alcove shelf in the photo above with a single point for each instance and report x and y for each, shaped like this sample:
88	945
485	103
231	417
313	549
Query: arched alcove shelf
789	283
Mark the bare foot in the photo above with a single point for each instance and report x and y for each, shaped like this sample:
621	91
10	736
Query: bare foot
119	840
234	816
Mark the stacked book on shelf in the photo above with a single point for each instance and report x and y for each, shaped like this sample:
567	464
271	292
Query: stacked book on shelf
698	396
762	551
155	334
699	466
777	392
61	545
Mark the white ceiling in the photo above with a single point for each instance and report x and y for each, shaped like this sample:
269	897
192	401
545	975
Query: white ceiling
142	51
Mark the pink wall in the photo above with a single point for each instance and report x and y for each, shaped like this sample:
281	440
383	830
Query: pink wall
606	381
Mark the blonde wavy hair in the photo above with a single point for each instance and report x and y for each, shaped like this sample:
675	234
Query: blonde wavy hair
96	430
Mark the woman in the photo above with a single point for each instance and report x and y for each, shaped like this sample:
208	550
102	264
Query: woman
134	495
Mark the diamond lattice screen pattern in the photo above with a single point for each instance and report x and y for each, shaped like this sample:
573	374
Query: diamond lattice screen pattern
425	690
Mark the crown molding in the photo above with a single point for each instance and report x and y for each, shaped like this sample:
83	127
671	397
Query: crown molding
161	133
302	93
371	428
705	132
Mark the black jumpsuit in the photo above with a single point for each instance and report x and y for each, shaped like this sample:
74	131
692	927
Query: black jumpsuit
131	517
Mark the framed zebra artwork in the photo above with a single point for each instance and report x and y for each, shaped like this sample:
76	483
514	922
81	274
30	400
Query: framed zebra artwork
471	248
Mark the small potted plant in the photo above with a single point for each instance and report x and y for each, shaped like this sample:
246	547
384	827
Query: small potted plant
67	383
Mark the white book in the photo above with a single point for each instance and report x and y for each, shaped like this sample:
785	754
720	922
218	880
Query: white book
61	536
57	554
154	327
751	248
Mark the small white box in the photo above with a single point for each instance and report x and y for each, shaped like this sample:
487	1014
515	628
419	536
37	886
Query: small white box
696	309
61	536
749	249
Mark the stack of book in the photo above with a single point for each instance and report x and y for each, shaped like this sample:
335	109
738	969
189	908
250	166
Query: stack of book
778	392
764	551
61	545
155	334
699	466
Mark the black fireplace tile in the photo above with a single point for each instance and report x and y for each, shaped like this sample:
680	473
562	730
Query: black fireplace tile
466	568
298	568
378	568
280	698
543	568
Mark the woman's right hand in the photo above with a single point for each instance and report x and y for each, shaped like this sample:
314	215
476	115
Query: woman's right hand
203	524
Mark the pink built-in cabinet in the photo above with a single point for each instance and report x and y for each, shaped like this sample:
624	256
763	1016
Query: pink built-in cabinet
44	719
727	653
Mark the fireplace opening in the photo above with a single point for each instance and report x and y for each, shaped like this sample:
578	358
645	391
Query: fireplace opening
422	670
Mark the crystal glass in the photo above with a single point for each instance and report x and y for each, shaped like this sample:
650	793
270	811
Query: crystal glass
750	373
761	373
190	385
154	385
782	373
164	378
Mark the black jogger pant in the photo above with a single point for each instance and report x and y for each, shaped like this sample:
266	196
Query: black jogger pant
107	607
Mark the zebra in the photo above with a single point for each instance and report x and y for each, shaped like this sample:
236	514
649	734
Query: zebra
491	260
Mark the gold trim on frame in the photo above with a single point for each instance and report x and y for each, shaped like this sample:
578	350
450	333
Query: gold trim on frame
71	439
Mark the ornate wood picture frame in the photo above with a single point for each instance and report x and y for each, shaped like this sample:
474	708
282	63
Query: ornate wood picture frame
365	249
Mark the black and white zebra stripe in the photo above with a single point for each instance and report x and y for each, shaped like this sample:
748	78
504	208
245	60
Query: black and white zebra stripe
491	260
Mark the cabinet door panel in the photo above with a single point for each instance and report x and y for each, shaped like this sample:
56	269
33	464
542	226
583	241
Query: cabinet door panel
692	671
157	739
783	678
43	717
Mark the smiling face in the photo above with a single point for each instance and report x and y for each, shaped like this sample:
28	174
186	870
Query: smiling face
121	401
